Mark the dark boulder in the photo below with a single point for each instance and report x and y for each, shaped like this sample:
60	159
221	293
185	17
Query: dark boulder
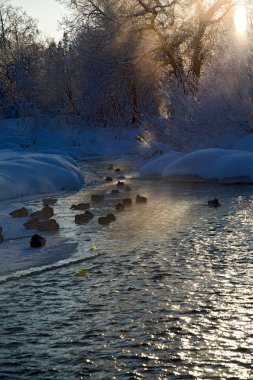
213	203
127	202
48	225
83	218
1	235
37	241
97	197
49	201
103	221
119	207
111	217
19	213
32	224
140	199
80	206
46	213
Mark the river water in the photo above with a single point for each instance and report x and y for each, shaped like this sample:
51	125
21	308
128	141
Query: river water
168	292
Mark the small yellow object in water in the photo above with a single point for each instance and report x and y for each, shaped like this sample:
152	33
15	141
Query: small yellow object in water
82	272
94	248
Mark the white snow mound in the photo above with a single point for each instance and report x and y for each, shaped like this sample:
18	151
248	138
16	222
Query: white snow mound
34	173
215	165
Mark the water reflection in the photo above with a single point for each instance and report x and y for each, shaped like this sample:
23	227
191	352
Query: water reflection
169	295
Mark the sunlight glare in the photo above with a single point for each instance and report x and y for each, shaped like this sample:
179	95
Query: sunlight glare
240	19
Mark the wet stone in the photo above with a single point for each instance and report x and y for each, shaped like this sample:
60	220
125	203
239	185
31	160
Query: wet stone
80	206
97	197
141	199
19	213
83	218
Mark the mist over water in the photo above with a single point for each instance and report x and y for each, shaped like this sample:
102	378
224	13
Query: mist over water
168	295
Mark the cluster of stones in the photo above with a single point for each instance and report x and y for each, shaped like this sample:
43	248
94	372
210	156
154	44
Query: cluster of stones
39	220
42	220
105	220
109	218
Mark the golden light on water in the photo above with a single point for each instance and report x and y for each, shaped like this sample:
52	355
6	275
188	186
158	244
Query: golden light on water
240	19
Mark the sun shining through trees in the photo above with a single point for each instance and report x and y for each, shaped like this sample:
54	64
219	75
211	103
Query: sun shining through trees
119	60
240	19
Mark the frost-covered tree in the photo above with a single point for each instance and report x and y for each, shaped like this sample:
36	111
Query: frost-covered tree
223	105
20	54
103	50
129	49
59	78
122	61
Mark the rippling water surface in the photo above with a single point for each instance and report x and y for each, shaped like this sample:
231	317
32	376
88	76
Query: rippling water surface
168	295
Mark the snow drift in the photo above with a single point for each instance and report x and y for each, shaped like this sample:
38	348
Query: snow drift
214	165
31	173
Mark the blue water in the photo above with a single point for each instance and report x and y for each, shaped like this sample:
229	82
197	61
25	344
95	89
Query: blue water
168	294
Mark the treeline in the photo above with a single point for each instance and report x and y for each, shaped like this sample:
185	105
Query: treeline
126	61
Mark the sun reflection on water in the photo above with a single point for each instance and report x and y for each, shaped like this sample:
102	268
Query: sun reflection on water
169	293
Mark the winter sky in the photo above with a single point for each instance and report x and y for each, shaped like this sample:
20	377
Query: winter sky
46	12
